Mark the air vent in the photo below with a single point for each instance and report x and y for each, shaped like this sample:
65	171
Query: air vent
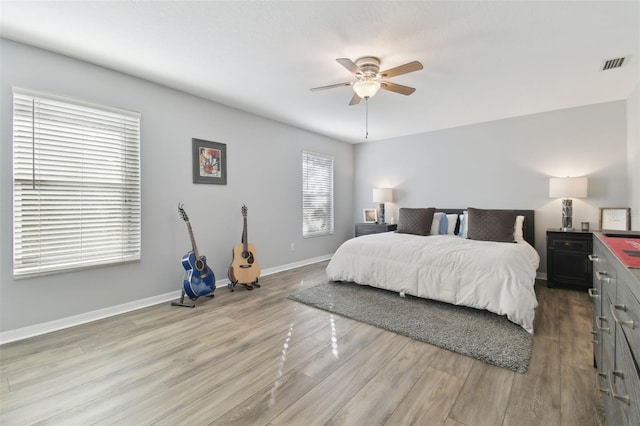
612	63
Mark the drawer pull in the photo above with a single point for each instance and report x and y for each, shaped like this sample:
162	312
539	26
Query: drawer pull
600	327
603	390
603	277
595	341
623	308
593	258
593	293
619	397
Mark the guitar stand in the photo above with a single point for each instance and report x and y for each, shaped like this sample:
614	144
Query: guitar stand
186	305
248	286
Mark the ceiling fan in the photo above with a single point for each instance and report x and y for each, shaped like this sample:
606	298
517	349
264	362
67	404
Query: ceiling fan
369	78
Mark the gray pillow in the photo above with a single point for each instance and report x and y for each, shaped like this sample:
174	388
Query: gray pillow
491	225
415	221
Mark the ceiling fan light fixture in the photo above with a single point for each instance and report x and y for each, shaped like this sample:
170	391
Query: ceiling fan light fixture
366	89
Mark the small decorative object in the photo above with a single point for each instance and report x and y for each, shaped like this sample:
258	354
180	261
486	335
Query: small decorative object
209	162
567	188
585	226
382	195
615	218
370	215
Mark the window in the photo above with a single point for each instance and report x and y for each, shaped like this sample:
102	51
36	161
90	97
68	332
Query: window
76	184
317	194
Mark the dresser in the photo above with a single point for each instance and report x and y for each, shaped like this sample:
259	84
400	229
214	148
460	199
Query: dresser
616	334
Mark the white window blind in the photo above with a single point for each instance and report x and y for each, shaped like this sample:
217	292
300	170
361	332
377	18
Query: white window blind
76	184
317	194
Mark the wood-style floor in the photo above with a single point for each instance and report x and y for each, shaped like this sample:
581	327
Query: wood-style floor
255	357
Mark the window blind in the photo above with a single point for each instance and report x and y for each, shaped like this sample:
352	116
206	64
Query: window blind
317	194
76	184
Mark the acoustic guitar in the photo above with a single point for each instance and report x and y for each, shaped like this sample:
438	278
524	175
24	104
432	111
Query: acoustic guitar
198	279
244	268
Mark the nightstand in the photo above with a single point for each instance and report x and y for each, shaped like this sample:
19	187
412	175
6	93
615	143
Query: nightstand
567	258
374	228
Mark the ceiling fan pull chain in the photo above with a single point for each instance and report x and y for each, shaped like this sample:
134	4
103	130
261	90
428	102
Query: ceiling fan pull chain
366	125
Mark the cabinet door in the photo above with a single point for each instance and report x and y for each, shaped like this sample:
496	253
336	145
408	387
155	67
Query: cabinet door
366	229
595	294
626	314
623	384
607	336
569	267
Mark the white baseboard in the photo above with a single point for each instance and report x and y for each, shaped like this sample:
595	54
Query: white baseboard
48	327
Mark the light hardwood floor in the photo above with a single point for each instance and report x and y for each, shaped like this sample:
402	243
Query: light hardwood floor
258	358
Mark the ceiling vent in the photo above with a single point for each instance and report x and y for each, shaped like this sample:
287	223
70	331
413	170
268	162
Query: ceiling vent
610	64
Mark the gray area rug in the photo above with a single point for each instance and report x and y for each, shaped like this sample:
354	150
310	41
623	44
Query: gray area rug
479	334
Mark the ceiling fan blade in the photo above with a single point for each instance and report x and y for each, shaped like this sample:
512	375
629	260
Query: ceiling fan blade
349	64
355	100
331	86
398	88
402	69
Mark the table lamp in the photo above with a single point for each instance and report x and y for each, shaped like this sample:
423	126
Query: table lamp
382	195
567	188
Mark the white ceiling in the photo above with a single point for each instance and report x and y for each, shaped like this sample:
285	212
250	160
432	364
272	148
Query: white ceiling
483	60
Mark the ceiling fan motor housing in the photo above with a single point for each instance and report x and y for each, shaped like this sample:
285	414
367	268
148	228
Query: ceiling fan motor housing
370	67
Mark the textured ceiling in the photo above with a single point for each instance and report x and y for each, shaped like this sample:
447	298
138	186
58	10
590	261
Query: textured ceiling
483	60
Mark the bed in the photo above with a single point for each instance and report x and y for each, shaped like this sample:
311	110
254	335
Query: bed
447	266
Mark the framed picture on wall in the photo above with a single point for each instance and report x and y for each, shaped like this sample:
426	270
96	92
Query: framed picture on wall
615	218
370	215
209	162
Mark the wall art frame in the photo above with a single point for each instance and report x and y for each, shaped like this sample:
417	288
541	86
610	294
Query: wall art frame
615	218
209	162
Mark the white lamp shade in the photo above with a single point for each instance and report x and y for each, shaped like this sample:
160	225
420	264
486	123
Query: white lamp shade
382	195
568	187
366	89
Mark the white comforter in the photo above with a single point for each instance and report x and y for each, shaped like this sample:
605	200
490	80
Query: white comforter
498	277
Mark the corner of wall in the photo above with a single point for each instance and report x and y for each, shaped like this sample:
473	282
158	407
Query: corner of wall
633	156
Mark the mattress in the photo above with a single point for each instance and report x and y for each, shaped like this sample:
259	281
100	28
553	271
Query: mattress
498	277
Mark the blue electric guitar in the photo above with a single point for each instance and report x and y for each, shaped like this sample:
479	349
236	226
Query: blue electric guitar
199	279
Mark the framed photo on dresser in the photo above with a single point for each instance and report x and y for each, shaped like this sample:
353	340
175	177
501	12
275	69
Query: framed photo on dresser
370	215
615	218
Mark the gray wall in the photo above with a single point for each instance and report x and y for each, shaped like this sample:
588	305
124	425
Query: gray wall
501	164
633	147
264	163
504	164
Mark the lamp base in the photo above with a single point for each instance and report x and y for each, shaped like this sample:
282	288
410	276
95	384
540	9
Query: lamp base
381	216
567	211
567	229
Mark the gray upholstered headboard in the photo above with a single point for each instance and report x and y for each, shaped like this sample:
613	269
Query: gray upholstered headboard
529	222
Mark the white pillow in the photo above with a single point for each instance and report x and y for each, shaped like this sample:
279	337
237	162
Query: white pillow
435	225
518	229
452	220
464	225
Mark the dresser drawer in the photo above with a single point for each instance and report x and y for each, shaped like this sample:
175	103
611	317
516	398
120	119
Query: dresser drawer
624	383
626	313
368	229
612	408
574	244
374	228
604	275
